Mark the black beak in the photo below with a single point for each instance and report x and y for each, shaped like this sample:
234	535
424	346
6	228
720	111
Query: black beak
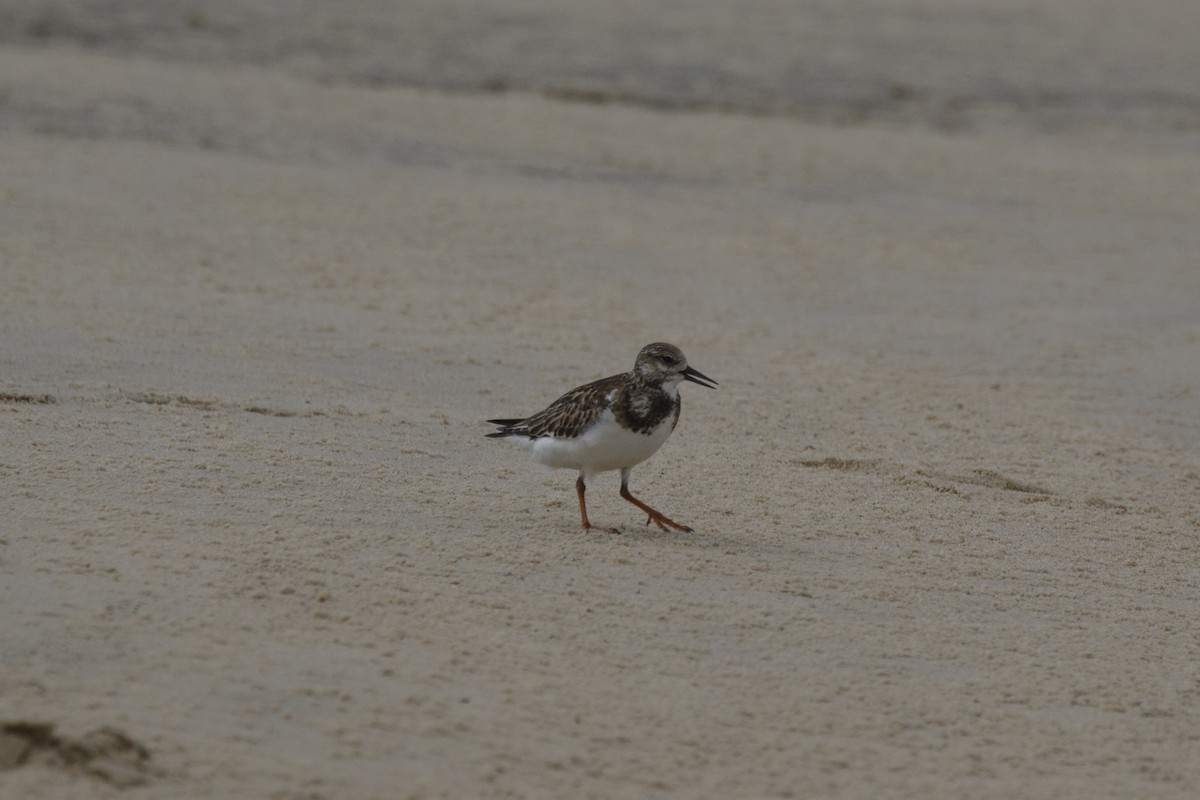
695	376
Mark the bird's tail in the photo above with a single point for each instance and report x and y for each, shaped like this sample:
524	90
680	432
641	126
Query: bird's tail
505	425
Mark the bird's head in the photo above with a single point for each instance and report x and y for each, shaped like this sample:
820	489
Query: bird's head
665	364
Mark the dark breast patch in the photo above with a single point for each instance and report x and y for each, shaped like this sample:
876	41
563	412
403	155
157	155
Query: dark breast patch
642	413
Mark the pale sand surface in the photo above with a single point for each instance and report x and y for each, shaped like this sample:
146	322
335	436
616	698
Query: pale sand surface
946	499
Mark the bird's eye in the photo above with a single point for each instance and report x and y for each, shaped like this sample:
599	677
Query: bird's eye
668	360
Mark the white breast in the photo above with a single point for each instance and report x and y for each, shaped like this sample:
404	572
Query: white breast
604	446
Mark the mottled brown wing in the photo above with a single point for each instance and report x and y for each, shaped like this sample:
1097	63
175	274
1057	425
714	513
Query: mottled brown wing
568	416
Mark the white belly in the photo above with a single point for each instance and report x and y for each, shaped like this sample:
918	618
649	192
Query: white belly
605	446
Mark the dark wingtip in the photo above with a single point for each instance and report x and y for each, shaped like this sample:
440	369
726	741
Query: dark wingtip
505	425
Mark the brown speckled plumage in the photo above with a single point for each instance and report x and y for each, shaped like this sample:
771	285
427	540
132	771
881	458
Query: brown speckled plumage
576	432
637	406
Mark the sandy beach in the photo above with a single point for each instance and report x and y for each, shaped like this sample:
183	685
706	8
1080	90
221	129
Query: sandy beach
264	273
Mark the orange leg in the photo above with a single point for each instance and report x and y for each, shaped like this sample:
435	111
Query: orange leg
581	489
657	517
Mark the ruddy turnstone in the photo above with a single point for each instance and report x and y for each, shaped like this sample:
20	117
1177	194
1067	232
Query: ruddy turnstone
612	423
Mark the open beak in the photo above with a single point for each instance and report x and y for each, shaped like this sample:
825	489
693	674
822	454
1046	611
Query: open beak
695	376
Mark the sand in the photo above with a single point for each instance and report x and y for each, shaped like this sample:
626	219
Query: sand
254	544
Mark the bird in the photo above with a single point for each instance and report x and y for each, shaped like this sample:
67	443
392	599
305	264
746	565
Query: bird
614	423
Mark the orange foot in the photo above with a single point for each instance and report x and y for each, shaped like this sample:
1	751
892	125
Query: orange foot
657	517
662	521
591	527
